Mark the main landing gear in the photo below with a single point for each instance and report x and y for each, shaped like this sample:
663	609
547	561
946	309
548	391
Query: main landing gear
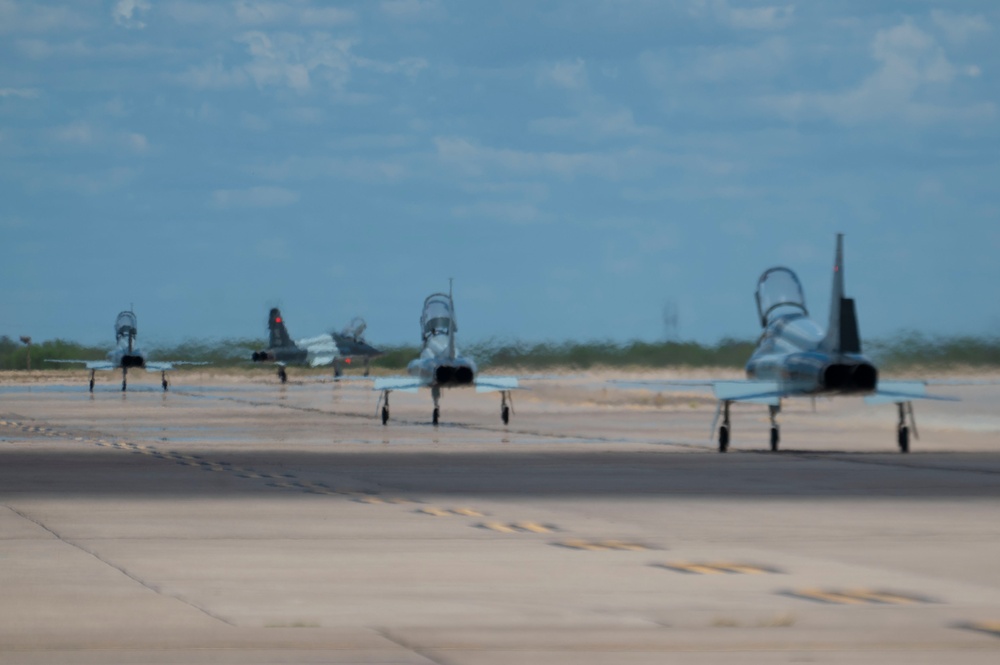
724	428
436	395
124	378
92	380
282	374
337	371
367	366
384	399
163	380
902	431
773	411
506	410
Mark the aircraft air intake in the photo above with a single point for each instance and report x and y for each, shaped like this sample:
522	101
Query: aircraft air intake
262	356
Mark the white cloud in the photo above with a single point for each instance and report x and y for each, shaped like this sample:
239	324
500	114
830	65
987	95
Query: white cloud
213	75
261	13
960	28
412	10
22	93
79	133
569	74
136	142
754	18
517	212
127	13
911	68
30	17
470	159
254	197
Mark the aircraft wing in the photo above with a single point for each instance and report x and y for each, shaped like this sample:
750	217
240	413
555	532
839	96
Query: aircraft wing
103	365
757	392
485	384
903	391
406	384
167	365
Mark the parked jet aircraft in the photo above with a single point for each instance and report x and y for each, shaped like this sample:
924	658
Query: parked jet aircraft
327	349
796	357
127	354
440	365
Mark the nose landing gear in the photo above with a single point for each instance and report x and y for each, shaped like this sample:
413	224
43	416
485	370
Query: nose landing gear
774	410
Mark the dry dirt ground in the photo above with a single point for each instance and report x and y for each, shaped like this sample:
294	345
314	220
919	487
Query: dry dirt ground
234	520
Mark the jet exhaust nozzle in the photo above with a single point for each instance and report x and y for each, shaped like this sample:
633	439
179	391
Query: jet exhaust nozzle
449	375
261	356
842	377
132	361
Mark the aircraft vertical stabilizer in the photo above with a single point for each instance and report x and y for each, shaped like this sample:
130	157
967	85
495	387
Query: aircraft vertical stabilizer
276	327
454	322
842	334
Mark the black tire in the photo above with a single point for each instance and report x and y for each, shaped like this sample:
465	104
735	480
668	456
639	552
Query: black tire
904	439
775	438
91	385
385	415
282	375
437	414
165	385
124	385
723	439
505	414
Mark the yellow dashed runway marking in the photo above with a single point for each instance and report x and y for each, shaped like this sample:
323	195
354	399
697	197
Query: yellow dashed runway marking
376	500
517	527
857	597
990	627
603	545
449	512
716	568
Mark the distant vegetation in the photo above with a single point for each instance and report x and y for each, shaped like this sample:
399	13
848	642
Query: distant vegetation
904	351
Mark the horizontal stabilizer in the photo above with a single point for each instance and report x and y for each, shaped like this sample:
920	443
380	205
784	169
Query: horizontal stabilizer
485	384
103	365
167	365
758	392
406	384
903	391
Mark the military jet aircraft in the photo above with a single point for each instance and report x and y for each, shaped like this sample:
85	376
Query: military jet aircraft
796	357
328	349
127	354
440	365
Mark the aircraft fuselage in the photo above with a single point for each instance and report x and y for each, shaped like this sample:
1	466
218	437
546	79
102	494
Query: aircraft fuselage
791	352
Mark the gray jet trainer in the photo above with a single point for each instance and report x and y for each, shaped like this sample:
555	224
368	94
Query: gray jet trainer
440	365
332	348
127	354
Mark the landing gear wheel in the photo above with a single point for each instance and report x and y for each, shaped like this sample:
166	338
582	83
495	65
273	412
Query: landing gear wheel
904	439
437	414
723	439
282	375
505	414
775	438
385	415
124	386
165	384
91	385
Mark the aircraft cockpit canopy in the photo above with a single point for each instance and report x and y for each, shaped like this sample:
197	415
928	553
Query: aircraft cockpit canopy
779	291
438	317
126	325
355	329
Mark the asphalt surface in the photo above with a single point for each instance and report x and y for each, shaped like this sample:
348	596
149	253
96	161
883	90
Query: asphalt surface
235	522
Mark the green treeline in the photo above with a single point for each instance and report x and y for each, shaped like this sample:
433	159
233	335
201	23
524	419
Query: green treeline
903	351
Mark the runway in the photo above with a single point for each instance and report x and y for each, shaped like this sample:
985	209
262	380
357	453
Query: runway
229	521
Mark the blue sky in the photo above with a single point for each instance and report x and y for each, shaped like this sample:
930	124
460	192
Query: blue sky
575	165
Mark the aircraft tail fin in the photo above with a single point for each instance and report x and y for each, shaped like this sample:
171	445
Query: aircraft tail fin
454	325
842	335
276	327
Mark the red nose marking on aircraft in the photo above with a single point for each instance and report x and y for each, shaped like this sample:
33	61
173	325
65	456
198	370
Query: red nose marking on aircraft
277	319
835	269
347	360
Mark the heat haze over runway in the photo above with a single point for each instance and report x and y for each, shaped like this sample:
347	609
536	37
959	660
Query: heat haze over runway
238	523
